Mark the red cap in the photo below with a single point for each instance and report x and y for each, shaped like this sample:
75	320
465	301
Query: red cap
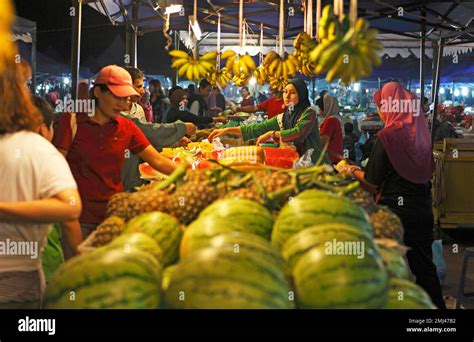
118	80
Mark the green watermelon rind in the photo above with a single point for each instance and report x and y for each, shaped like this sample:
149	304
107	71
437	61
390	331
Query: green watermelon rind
219	278
340	281
300	243
313	207
414	297
163	228
107	279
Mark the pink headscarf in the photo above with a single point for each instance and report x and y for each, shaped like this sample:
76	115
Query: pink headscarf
405	137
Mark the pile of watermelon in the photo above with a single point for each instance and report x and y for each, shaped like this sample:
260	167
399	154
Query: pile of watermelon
318	252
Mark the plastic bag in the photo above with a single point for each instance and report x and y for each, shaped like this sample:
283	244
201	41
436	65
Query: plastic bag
438	260
305	160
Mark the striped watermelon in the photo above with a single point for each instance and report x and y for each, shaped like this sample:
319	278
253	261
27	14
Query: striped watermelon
393	259
199	232
130	241
300	243
109	279
404	294
163	228
245	211
326	281
313	207
250	242
219	278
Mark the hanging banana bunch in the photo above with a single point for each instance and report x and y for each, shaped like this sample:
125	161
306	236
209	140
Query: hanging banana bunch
191	68
241	65
346	51
219	77
261	75
277	82
303	45
278	67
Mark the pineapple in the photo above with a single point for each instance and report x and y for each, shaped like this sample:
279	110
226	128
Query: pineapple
108	230
145	201
117	205
245	193
387	225
364	200
190	199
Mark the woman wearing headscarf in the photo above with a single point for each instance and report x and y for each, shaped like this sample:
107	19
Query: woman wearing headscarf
331	128
298	125
178	111
399	171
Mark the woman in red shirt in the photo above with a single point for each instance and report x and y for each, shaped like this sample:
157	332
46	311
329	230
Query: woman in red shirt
247	99
273	106
331	127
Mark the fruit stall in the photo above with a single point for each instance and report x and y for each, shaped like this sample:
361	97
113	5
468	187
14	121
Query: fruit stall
250	227
242	234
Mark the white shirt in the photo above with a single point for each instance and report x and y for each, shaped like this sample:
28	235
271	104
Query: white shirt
31	168
136	112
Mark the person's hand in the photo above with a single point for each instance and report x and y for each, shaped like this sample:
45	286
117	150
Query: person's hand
264	137
183	142
217	133
190	128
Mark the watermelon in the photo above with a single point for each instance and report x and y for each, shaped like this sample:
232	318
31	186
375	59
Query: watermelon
245	212
257	245
109	279
163	228
198	233
317	207
334	281
139	241
300	243
393	259
404	294
219	278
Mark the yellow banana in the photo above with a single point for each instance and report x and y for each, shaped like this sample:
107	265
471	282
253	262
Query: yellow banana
179	62
178	54
190	72
182	70
270	57
206	65
209	56
249	62
227	54
273	66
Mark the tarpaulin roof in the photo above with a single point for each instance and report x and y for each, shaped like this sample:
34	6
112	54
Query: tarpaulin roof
450	18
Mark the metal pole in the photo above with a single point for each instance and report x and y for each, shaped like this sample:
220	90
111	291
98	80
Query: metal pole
422	53
433	72
76	46
436	88
176	46
131	39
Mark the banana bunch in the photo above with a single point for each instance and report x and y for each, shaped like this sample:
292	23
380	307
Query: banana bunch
345	52
278	82
193	69
241	80
260	75
219	77
303	45
7	47
240	65
280	67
